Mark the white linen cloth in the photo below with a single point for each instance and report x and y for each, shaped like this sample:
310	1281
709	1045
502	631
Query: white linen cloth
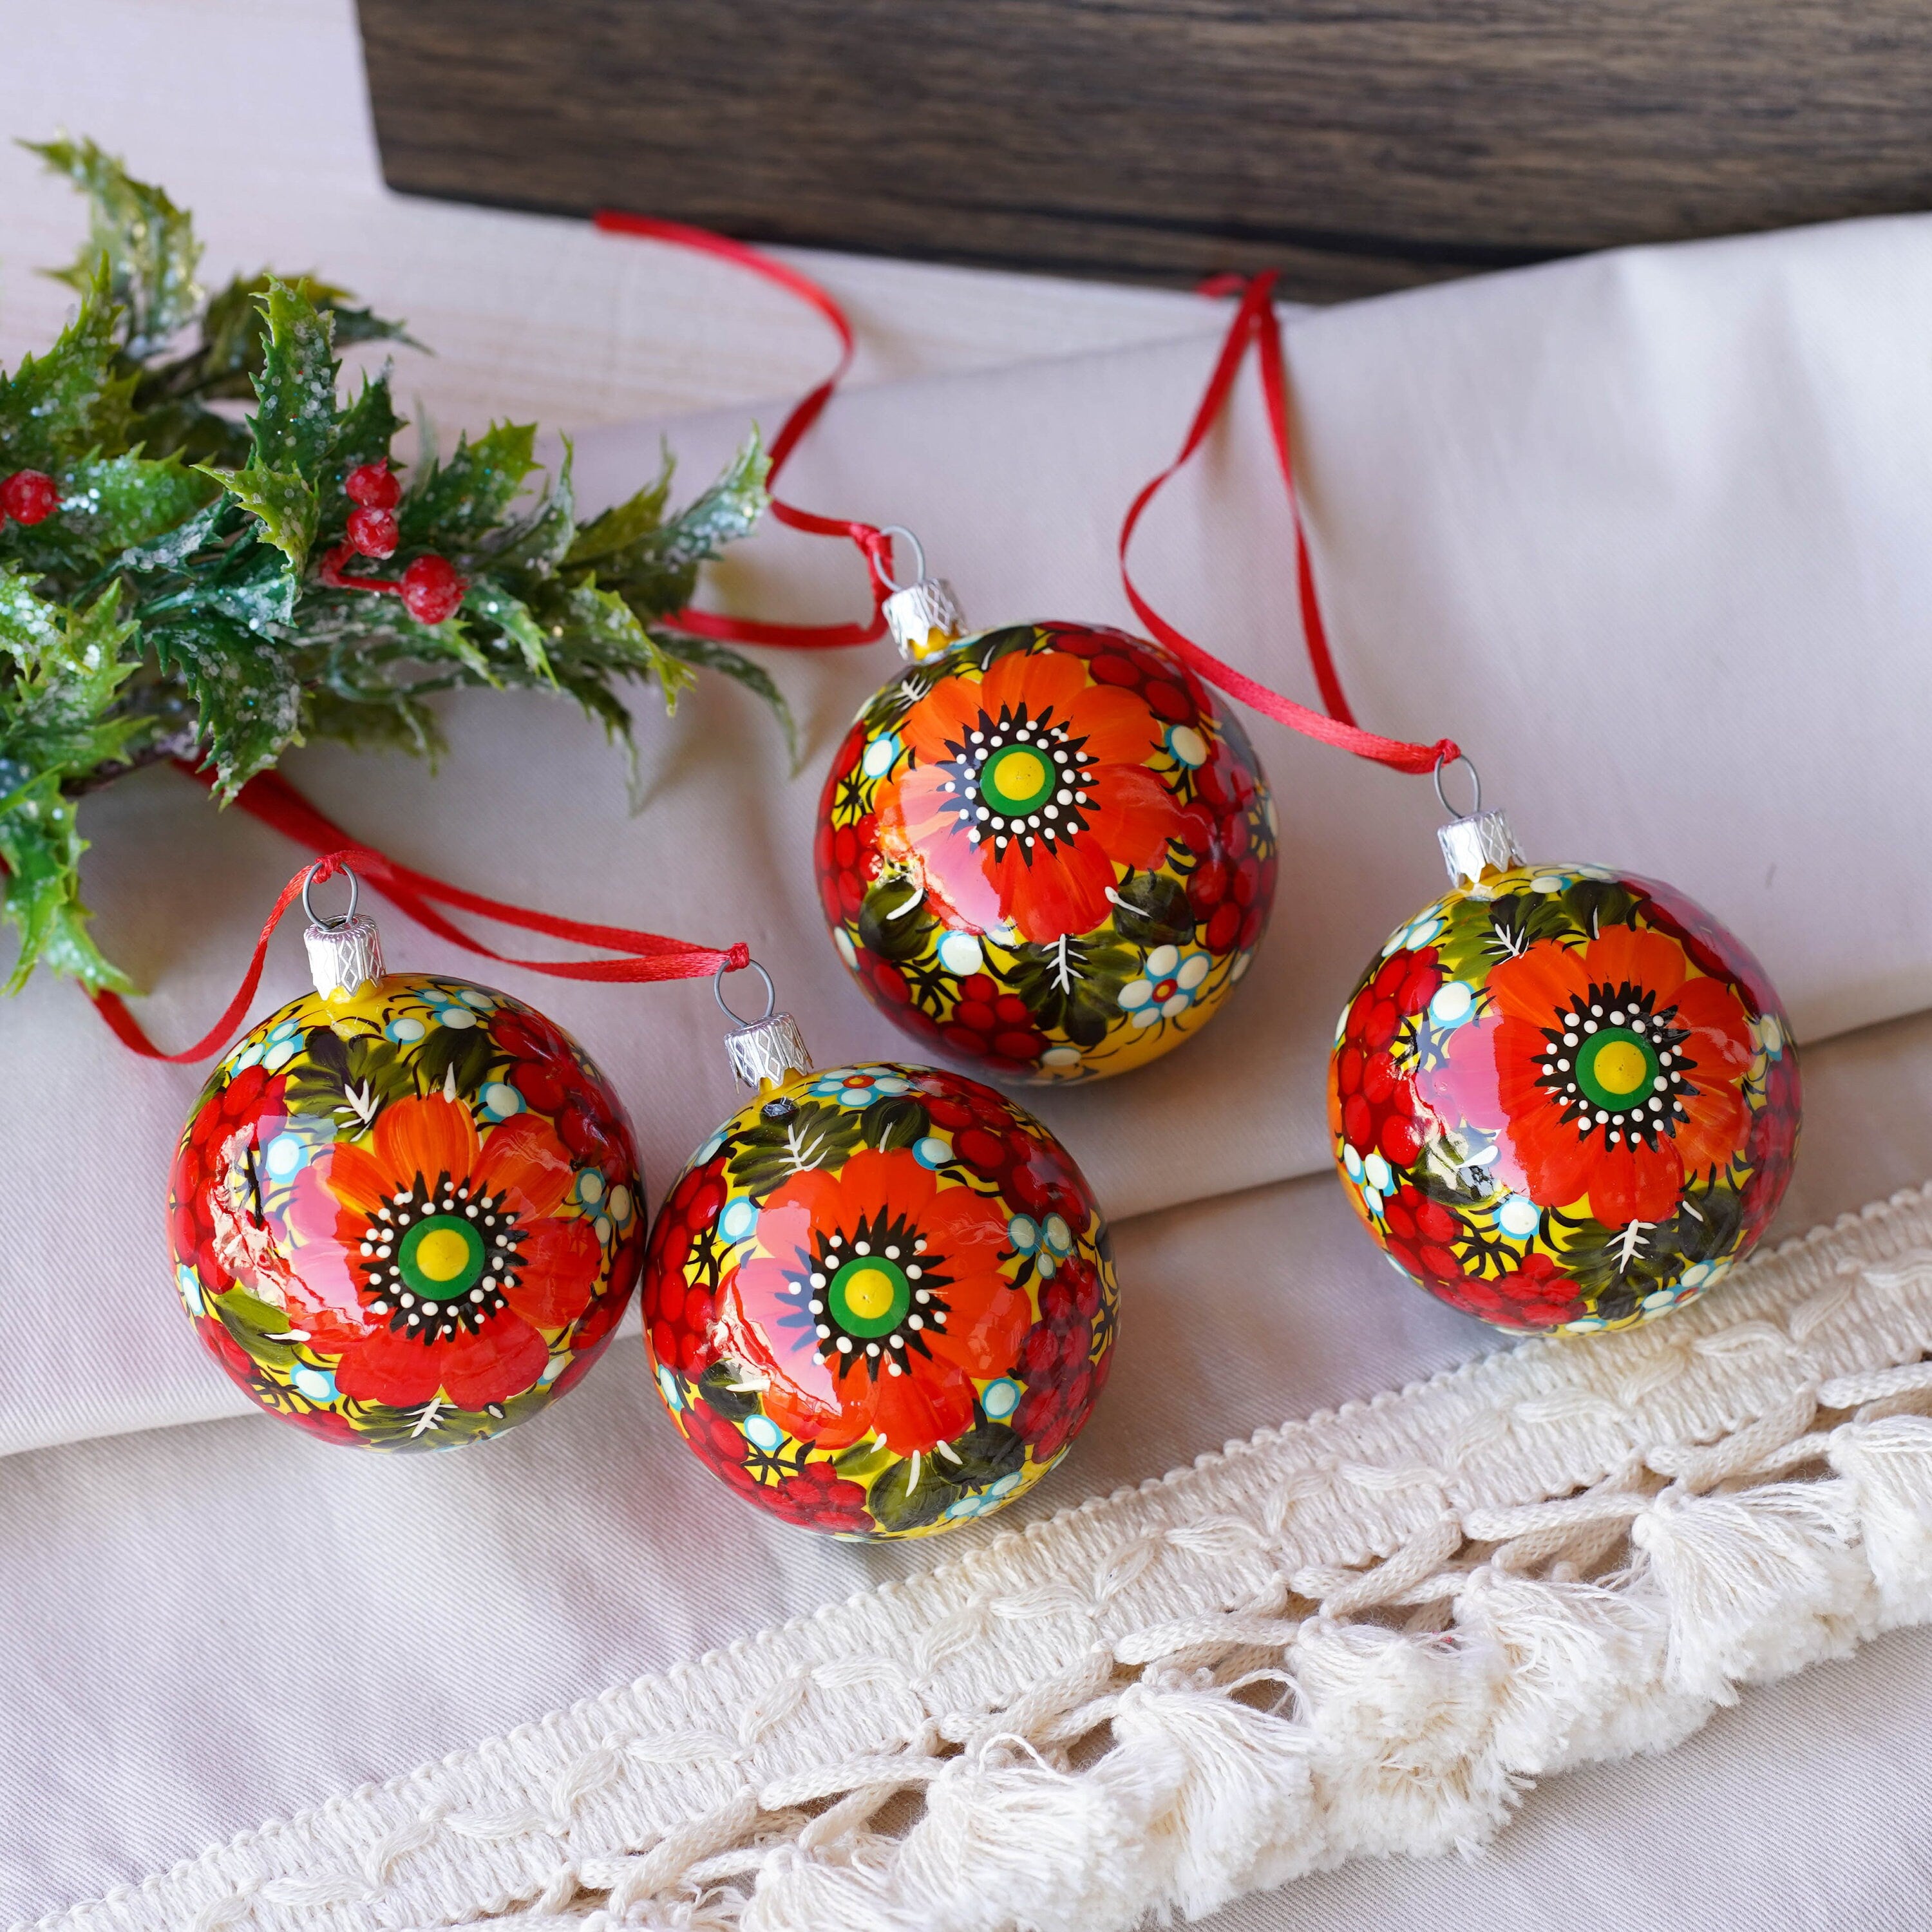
1644	533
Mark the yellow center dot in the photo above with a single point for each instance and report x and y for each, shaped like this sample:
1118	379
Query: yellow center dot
442	1254
1021	773
869	1293
1621	1066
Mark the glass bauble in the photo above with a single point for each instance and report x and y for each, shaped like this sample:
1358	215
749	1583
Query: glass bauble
880	1300
1563	1099
405	1217
1045	850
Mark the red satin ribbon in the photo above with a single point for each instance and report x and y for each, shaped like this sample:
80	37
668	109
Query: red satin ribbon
1254	326
271	798
873	544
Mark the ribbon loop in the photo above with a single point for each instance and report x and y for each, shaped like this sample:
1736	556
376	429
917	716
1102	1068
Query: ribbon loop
644	956
1254	326
870	542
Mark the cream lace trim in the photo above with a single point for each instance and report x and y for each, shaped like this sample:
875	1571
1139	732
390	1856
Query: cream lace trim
1359	1634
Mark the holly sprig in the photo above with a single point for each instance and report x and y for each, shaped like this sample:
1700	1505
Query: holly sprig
179	581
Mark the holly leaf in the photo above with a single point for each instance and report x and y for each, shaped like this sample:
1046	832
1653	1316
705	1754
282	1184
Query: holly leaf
142	242
283	503
364	432
658	568
246	690
544	538
490	600
728	663
459	502
111	503
52	728
56	408
617	529
600	622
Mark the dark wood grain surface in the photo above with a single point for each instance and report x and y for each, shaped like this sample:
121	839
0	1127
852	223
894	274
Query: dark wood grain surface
1357	146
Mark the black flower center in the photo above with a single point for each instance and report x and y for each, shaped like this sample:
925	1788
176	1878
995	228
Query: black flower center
875	1294
1020	781
1615	1065
435	1258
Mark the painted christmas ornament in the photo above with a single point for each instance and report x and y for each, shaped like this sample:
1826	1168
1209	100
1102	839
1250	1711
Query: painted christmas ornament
1561	1098
1043	848
405	1211
880	1300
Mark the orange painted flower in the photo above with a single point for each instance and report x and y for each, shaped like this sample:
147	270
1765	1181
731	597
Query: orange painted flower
872	1300
1619	1075
432	1257
1028	797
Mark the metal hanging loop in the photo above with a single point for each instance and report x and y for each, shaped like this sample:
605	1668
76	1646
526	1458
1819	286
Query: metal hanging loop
314	918
771	996
1475	780
918	558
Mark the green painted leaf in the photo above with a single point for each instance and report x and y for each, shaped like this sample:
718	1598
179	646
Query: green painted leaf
145	243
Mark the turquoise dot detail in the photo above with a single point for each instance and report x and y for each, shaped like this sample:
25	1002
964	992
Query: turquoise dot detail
740	1219
762	1432
285	1157
999	1399
932	1151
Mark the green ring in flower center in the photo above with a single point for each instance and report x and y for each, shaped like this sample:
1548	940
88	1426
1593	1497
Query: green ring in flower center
869	1295
1017	779
442	1257
1616	1068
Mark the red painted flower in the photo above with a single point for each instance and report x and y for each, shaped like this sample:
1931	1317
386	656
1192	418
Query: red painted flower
544	1070
873	1299
1619	1076
1028	795
431	1259
1536	1296
1056	1363
1373	1103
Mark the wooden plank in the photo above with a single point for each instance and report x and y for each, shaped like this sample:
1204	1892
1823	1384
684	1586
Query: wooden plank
1359	146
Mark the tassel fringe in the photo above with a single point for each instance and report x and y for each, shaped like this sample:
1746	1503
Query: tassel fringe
1367	1634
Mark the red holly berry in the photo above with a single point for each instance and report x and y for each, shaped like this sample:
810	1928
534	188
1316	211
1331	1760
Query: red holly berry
29	497
374	533
371	485
431	589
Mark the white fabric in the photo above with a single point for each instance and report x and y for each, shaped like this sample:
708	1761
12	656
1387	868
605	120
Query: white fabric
1361	1634
1643	532
1699	716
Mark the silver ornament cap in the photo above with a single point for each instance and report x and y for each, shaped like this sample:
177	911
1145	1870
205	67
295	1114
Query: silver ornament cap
1481	843
766	1050
344	956
924	616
